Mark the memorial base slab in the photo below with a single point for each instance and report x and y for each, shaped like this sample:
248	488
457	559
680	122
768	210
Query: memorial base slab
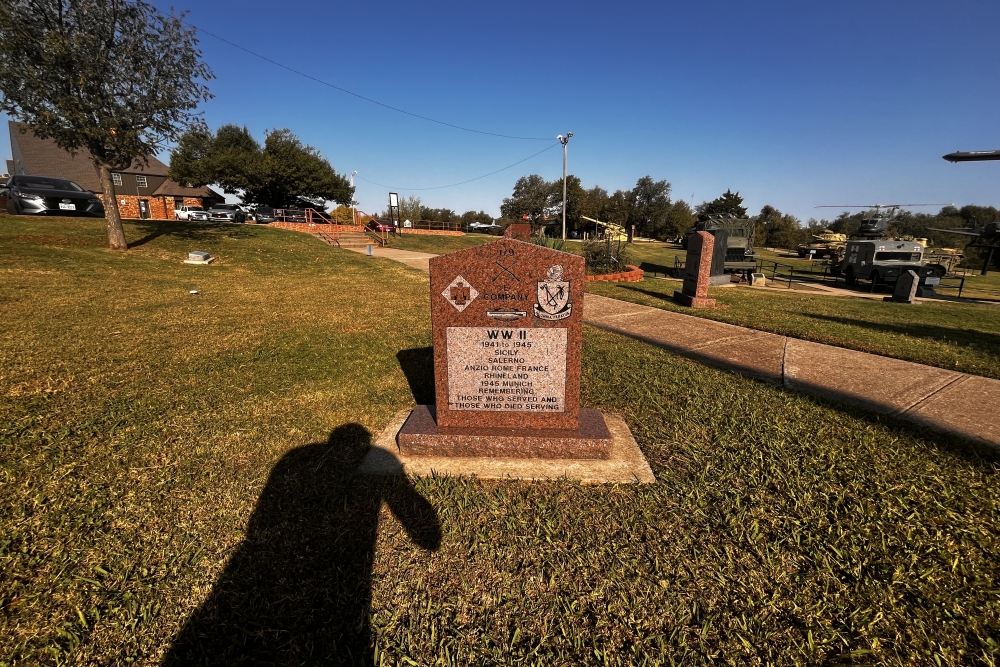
693	301
421	436
624	463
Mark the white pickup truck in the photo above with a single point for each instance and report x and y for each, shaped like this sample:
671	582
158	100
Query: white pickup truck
190	213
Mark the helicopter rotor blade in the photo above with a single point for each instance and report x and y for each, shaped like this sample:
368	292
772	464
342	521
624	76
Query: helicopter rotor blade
877	205
963	232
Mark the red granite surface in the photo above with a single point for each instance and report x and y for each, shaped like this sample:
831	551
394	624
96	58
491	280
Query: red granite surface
519	230
502	288
422	436
697	269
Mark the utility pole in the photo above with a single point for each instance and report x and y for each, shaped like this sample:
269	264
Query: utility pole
564	141
354	210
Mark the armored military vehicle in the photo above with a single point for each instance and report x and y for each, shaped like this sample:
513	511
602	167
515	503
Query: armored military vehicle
739	242
882	262
827	244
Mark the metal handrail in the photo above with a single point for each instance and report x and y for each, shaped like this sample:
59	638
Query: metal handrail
381	237
774	270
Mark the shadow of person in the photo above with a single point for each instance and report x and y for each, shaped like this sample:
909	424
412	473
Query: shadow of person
298	589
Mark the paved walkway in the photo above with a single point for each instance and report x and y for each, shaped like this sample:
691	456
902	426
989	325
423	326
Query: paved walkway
418	260
939	399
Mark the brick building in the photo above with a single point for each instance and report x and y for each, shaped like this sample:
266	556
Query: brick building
142	190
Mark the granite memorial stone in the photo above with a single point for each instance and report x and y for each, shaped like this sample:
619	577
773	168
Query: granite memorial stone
697	269
519	230
507	326
906	289
199	257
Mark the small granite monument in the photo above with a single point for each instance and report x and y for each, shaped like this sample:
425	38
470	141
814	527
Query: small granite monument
507	324
199	257
906	289
519	230
697	269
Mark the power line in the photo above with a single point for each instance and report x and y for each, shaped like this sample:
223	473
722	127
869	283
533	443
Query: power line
441	187
359	96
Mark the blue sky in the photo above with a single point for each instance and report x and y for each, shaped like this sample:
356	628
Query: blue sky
793	104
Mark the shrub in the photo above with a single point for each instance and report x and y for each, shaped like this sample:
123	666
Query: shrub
606	256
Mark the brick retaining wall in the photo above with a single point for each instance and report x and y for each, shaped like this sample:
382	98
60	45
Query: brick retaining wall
309	229
633	276
431	232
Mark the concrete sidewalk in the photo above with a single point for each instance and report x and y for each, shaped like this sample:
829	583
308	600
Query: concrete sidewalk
939	399
418	260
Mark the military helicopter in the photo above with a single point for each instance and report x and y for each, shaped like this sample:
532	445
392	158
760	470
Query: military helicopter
972	156
876	224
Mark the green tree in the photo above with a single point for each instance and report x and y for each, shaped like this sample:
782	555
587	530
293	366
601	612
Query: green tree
619	208
115	78
777	230
730	203
575	201
680	218
651	207
470	217
279	173
530	198
437	214
410	208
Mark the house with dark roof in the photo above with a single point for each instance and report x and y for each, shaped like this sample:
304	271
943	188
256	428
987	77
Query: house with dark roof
143	190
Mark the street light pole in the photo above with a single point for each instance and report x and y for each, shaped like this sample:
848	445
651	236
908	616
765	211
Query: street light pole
564	141
354	210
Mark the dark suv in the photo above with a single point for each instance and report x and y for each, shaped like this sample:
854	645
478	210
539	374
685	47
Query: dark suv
264	214
44	195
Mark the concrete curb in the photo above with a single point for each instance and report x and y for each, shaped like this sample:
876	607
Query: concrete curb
939	399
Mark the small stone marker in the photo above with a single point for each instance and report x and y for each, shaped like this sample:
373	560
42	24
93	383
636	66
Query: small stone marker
199	257
519	230
697	269
906	289
507	324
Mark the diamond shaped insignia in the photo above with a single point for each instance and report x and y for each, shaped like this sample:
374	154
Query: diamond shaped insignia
460	293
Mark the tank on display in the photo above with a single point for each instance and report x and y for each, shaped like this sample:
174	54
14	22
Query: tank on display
739	239
826	244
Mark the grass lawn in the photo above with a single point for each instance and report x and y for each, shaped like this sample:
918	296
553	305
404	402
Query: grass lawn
957	336
177	487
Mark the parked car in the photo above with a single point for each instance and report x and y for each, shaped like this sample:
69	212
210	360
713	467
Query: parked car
264	214
44	195
227	213
381	226
292	214
190	213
